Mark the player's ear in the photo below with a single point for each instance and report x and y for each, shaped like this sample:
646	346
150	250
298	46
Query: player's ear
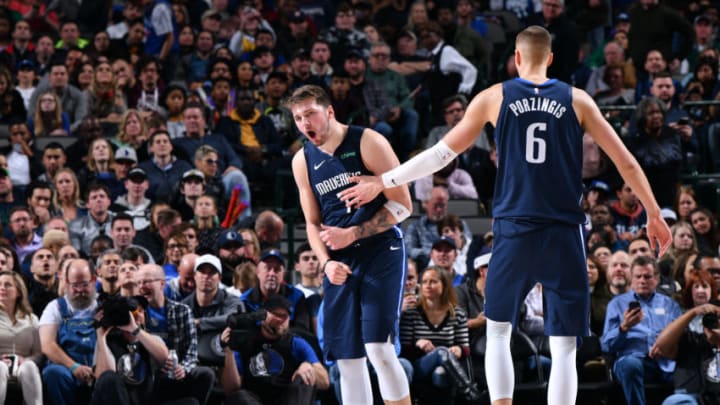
518	57
331	111
550	59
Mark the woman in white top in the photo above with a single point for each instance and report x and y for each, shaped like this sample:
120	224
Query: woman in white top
19	340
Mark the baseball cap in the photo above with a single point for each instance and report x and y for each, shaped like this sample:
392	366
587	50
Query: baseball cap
277	301
214	14
482	260
125	153
599	185
444	239
667	213
355	53
301	53
409	34
137	174
229	236
298	16
194	173
26	64
622	17
703	18
211	260
272	253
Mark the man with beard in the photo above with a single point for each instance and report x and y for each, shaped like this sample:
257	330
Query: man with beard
210	306
108	265
618	273
270	276
298	370
67	337
173	322
42	284
231	250
24	239
629	217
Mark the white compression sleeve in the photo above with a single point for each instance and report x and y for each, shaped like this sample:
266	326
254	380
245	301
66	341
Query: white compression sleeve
562	387
392	380
498	360
424	164
355	385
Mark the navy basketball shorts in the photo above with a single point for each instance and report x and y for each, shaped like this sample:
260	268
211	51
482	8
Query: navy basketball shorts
552	254
366	308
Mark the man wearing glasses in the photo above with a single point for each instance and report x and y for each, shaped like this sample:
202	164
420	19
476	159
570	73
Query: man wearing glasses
173	322
24	239
67	337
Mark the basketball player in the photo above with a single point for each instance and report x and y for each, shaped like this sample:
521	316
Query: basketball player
539	127
361	250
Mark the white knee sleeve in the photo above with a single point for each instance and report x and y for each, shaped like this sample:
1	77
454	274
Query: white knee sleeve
499	370
562	387
355	382
392	380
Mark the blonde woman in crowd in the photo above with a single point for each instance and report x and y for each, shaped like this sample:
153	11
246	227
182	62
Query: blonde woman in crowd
19	340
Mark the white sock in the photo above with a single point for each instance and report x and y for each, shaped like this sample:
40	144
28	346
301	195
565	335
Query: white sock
562	387
499	370
392	380
355	383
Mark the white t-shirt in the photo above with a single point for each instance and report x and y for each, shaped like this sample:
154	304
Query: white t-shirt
51	314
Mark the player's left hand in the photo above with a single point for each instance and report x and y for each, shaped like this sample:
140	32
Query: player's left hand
335	237
659	234
366	189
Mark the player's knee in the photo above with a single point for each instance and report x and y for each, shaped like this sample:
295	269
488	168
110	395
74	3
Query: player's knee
498	330
380	354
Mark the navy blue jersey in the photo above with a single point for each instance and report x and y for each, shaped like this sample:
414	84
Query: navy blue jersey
539	147
328	175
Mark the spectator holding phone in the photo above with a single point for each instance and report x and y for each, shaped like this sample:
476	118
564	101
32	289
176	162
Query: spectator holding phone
632	323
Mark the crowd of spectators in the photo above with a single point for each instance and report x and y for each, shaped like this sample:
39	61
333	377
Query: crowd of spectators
144	137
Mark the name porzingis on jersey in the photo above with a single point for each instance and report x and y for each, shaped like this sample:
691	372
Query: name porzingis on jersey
543	104
335	182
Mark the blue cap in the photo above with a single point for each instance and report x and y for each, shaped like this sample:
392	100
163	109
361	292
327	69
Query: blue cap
272	253
229	236
444	239
600	186
26	64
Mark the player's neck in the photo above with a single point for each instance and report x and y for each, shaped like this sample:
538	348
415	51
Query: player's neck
336	134
535	74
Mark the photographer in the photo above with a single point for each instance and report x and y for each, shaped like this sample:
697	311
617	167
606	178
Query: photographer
693	340
272	365
126	356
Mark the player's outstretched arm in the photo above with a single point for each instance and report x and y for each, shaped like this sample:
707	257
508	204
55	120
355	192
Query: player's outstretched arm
378	157
594	123
483	108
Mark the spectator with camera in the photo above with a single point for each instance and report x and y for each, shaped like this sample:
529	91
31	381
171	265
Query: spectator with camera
269	364
693	340
270	274
174	323
67	338
632	323
127	357
210	306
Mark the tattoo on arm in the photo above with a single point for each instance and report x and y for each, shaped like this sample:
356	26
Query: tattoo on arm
380	222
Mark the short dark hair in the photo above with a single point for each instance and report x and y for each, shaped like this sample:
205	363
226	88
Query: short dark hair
122	216
643	261
54	146
304	247
95	186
